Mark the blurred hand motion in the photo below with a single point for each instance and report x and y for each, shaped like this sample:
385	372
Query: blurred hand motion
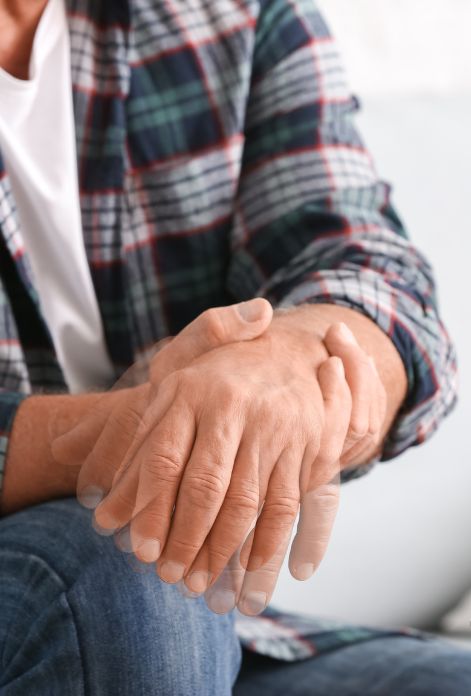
233	427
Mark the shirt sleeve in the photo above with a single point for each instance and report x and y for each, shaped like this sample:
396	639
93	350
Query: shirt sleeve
313	223
9	404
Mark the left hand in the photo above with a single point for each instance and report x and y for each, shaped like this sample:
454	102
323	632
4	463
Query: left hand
369	399
363	443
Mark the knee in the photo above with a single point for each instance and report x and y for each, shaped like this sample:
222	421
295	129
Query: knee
133	630
141	631
144	633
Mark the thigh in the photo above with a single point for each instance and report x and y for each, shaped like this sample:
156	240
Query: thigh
79	617
380	667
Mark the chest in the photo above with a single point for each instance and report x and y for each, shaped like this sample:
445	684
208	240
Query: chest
159	98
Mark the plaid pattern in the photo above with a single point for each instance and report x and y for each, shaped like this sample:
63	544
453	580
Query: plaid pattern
218	161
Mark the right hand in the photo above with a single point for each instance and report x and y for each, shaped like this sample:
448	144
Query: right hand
101	441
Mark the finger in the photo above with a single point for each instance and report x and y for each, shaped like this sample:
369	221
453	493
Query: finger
213	328
162	451
158	403
235	519
71	446
160	474
202	490
370	446
316	520
320	501
98	470
258	586
337	401
363	450
341	342
222	596
278	514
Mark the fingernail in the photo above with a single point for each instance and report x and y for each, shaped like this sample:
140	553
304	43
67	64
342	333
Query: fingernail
346	333
139	566
304	571
222	601
253	603
198	581
103	531
105	521
250	311
183	589
90	497
123	540
148	550
172	572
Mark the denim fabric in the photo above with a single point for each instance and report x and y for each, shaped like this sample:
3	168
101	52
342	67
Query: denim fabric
77	616
397	666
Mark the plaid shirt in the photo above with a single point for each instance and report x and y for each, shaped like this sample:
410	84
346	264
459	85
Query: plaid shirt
217	162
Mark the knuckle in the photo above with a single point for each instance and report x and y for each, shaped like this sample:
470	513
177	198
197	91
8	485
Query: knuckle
231	396
126	420
244	503
282	508
182	548
205	489
327	499
373	430
214	326
219	553
358	428
231	389
122	504
151	517
165	466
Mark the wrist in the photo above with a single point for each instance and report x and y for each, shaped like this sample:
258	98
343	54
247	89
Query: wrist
32	474
307	326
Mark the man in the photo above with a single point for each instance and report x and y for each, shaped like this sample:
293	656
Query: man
217	163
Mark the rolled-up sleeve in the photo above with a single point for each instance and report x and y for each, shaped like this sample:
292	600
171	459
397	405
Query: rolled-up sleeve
313	222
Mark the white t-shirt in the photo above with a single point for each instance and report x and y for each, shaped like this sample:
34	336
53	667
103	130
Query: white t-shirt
37	139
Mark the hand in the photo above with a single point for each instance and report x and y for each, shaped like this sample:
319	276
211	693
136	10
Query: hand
239	427
369	399
252	588
362	443
100	442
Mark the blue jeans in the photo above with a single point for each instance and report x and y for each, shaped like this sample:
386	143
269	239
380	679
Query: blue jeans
77	618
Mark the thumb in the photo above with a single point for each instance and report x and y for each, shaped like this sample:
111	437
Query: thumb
213	328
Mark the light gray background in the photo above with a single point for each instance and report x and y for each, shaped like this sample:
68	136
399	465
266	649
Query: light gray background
401	550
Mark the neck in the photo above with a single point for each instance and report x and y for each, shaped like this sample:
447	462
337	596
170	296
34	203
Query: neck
19	20
22	8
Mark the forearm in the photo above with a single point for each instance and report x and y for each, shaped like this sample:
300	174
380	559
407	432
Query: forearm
32	475
319	317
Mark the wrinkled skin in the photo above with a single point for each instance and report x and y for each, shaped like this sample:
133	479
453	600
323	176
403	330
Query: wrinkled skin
204	466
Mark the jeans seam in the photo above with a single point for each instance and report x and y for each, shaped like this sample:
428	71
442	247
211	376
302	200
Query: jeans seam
65	589
85	679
